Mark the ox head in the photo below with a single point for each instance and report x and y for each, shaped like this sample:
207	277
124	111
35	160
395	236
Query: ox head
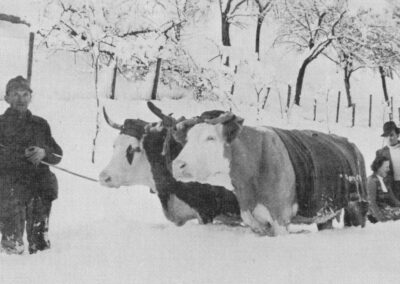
129	164
205	153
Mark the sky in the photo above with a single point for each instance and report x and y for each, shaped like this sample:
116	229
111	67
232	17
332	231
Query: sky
24	8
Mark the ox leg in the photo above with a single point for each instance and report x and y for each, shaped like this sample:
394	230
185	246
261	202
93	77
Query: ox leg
355	214
254	224
325	226
263	216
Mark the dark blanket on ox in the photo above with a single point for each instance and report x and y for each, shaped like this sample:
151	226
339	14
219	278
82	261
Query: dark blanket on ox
330	171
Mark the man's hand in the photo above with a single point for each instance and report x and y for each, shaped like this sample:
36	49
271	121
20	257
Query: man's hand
35	154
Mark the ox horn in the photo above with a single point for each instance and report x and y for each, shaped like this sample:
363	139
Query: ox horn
167	120
223	118
110	122
186	123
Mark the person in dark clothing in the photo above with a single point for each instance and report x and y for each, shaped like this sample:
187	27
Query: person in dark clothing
27	186
383	205
392	152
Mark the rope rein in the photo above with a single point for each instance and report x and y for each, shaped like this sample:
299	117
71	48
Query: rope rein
62	169
69	172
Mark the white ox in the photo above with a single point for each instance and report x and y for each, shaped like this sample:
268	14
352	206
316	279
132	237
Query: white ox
257	163
129	165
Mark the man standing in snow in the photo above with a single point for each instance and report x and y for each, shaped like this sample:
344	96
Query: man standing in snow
392	152
27	186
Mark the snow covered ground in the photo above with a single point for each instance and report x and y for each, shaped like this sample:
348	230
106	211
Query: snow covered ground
102	235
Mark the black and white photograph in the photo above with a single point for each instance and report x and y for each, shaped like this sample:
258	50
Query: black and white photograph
199	141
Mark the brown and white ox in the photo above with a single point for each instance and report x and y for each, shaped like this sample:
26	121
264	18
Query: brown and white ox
257	163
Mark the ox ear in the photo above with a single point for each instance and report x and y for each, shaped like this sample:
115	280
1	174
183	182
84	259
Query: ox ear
232	128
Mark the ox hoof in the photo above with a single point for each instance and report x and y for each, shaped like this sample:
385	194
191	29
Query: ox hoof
260	228
325	226
263	231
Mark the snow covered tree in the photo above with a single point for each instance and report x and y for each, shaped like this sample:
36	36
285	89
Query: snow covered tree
367	39
384	43
229	11
136	36
349	50
309	26
263	7
104	30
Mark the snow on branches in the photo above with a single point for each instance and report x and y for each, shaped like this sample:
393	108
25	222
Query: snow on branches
309	27
134	34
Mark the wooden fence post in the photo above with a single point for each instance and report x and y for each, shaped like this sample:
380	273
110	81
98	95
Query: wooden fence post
391	109
370	110
156	79
353	116
280	103
258	101
399	112
266	98
114	80
235	71
288	97
30	57
338	108
315	109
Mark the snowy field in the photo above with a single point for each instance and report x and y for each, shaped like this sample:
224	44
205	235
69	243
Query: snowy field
102	235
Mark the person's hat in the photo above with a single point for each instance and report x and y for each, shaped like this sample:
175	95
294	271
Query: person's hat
18	82
388	127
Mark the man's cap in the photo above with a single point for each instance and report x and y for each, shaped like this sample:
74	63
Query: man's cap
18	82
388	127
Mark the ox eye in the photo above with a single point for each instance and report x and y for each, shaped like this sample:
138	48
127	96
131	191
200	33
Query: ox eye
129	154
211	138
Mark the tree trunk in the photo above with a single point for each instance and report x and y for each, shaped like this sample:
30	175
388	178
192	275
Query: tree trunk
227	61
114	81
300	79
347	86
156	79
260	20
225	25
96	86
30	57
383	78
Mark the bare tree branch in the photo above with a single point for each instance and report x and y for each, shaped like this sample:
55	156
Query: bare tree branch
337	22
227	7
237	6
331	59
320	19
13	19
136	33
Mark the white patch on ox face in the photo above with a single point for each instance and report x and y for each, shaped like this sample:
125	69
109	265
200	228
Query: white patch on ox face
202	158
128	165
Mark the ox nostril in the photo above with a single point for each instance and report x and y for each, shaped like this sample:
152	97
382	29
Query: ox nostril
104	177
182	165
